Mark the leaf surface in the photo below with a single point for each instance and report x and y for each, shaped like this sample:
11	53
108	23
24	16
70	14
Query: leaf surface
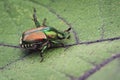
95	38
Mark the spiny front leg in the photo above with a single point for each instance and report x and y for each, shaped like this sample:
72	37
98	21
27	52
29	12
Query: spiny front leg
37	24
67	33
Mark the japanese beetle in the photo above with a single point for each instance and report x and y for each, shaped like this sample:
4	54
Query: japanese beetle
42	37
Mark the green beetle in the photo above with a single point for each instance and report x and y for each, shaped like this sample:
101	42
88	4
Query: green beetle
42	37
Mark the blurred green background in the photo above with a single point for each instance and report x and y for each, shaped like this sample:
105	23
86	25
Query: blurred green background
90	19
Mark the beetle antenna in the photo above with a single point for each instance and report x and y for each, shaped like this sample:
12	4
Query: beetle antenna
68	29
37	24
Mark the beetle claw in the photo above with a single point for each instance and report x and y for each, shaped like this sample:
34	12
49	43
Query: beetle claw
41	57
41	60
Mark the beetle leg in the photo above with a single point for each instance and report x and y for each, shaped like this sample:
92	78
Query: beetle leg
60	36
44	22
68	30
42	58
43	49
67	33
58	42
37	24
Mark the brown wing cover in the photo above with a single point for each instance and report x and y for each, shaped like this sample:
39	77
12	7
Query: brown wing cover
35	36
34	29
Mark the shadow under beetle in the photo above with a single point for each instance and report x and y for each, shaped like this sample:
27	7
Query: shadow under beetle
42	37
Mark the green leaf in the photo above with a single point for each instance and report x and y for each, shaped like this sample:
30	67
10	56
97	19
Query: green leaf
95	38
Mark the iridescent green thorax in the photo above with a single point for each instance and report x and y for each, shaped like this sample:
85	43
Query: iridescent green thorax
53	33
